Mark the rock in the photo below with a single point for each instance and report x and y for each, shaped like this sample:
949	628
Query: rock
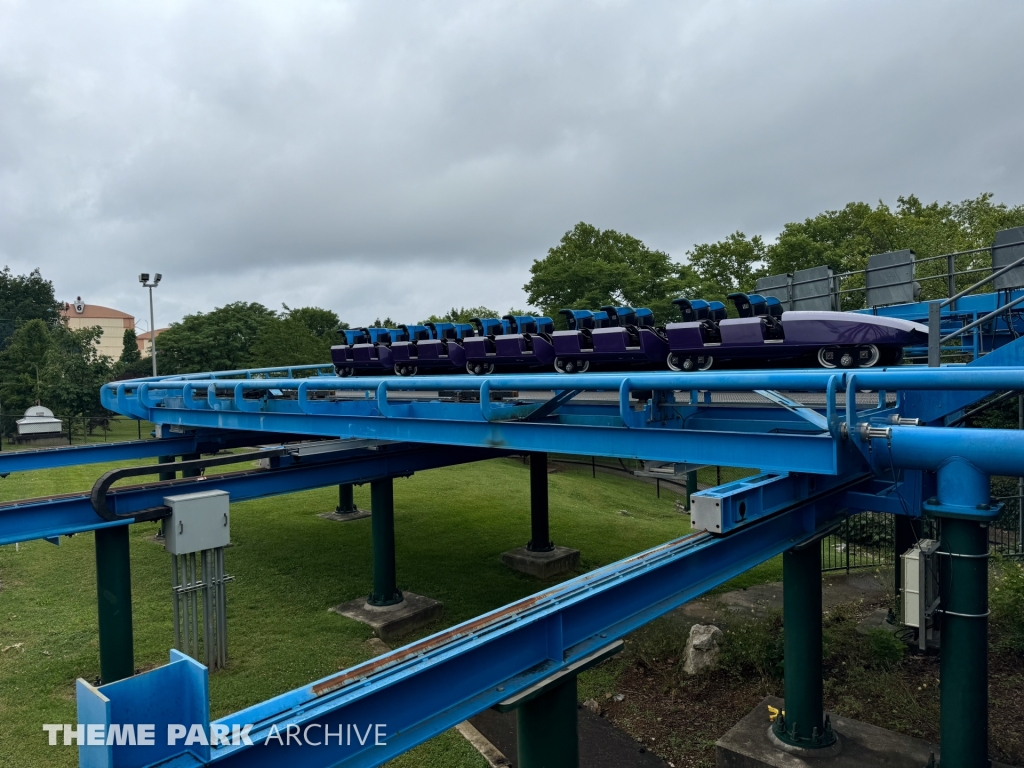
618	697
702	648
624	513
593	706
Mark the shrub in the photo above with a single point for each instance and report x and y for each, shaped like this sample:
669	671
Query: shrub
1006	600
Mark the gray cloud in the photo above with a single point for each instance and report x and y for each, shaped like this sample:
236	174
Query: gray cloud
384	159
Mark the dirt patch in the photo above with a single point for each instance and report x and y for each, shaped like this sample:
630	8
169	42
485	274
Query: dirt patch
867	677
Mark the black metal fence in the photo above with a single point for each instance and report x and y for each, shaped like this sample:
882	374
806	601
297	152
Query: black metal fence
866	540
76	430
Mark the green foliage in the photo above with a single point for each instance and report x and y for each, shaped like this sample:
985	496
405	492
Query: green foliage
74	371
213	341
23	298
885	650
21	365
733	264
130	347
320	322
1006	601
843	239
754	648
592	267
460	315
387	322
289	341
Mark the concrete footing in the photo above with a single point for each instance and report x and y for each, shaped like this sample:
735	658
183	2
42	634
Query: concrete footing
749	745
340	517
391	621
543	565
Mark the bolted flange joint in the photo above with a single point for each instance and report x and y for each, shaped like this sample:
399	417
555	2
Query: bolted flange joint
789	732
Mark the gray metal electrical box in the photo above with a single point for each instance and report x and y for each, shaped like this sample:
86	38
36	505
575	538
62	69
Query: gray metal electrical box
1004	257
198	521
920	588
812	290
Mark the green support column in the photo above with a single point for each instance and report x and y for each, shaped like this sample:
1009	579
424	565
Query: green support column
963	588
346	500
114	593
382	509
546	729
166	460
191	472
804	723
540	533
691	486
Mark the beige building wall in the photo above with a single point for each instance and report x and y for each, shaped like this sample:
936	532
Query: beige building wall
113	322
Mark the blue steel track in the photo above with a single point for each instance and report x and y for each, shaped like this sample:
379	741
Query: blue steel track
848	453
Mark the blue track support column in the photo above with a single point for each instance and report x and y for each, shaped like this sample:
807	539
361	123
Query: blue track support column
382	509
804	723
114	603
540	531
963	723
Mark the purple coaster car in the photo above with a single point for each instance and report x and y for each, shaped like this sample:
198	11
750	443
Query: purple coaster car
615	337
765	336
368	350
516	342
433	347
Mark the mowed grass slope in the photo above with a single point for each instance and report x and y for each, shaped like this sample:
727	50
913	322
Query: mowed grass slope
290	567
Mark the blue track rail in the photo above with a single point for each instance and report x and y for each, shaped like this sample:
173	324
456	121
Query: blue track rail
829	444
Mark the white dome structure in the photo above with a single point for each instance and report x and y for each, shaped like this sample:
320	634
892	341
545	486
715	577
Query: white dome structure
39	420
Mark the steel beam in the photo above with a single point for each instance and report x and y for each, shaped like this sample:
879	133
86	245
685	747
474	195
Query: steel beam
73	513
425	688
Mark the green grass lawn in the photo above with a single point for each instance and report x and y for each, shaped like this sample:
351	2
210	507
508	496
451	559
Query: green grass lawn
290	567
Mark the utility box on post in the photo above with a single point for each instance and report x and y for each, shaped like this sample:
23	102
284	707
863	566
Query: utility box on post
921	590
198	521
196	533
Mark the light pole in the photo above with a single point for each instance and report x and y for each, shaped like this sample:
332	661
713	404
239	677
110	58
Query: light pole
144	279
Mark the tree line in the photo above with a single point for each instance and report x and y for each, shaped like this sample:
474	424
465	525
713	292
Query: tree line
41	359
590	267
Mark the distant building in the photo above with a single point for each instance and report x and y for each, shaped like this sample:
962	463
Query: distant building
112	321
145	346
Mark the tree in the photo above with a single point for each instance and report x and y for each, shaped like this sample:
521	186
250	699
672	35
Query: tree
288	340
74	371
320	322
24	298
592	267
130	347
213	341
733	264
460	315
21	365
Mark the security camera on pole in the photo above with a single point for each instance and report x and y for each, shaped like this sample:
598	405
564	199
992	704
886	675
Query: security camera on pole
144	279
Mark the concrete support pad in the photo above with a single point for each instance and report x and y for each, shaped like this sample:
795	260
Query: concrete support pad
748	745
391	621
338	517
543	565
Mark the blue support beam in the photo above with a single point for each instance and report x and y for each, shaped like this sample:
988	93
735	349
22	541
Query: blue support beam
189	441
419	691
73	513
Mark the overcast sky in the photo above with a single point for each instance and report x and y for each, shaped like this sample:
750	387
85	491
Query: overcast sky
400	158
